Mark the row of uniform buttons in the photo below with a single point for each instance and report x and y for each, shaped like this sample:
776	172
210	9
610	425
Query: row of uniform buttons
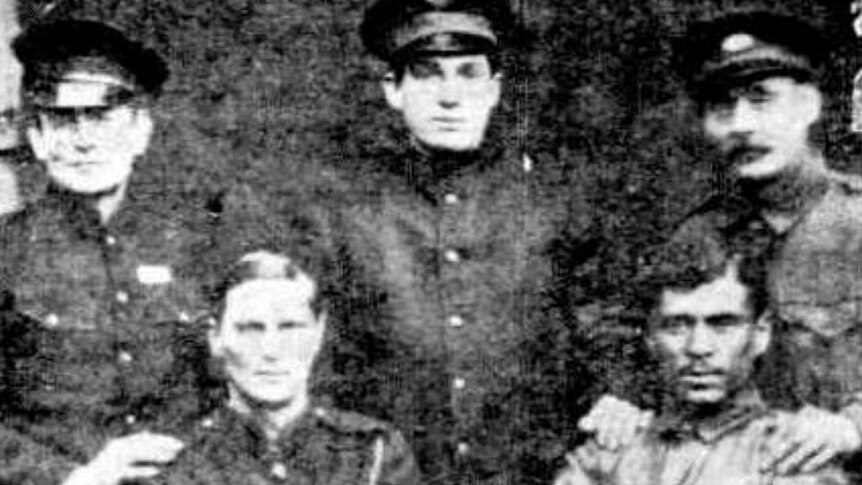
456	321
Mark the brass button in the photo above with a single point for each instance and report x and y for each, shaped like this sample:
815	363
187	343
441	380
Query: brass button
452	256
459	383
122	297
456	321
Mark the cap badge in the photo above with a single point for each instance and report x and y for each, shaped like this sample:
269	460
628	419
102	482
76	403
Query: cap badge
737	42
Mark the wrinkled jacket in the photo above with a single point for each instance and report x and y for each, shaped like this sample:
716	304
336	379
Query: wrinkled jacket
325	447
451	330
727	449
102	339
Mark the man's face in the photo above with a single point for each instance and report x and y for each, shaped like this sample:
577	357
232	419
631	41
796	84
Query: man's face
763	128
707	339
89	149
267	340
446	101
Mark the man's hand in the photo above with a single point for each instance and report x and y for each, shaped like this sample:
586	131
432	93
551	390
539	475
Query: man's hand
615	422
131	457
804	441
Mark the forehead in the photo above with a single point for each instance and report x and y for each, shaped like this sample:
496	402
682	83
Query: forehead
269	300
724	295
451	61
777	85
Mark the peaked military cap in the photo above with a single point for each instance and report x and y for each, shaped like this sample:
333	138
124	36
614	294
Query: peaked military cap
80	63
399	29
741	47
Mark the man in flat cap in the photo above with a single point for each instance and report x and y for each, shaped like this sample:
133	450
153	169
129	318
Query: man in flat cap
99	269
448	241
755	78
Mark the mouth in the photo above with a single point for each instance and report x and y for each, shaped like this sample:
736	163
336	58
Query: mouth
447	123
746	154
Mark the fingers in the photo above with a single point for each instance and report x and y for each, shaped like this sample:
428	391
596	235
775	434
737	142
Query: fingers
615	422
799	457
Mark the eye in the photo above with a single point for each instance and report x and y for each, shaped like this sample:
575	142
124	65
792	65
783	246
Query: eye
675	324
60	117
473	70
759	95
424	69
95	114
725	322
250	327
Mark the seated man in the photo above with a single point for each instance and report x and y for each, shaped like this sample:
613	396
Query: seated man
267	335
706	328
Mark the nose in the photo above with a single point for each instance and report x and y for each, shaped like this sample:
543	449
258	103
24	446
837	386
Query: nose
701	341
743	117
82	135
449	93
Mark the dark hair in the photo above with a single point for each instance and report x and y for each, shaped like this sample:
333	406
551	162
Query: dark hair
268	265
686	265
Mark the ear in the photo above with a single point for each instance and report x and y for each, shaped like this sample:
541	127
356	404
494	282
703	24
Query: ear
762	334
38	141
811	103
141	132
214	339
320	331
392	91
496	89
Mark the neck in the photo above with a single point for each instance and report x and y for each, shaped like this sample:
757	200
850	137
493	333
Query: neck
782	200
272	420
108	203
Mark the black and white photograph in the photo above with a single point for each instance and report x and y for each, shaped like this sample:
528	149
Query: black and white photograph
430	242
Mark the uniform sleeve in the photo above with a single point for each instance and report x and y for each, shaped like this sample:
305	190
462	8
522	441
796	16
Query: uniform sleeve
394	463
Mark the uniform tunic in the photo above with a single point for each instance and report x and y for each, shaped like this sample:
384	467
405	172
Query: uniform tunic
725	449
324	447
108	342
451	331
815	286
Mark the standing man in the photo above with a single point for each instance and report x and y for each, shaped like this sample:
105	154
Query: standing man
755	79
706	327
102	263
448	241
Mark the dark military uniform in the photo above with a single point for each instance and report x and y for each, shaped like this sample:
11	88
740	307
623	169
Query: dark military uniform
323	447
115	304
450	328
97	333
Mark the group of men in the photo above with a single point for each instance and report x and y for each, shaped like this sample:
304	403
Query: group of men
461	263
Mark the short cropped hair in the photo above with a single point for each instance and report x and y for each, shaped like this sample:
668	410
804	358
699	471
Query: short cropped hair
685	266
272	265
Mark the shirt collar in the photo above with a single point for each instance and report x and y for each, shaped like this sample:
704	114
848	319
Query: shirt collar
671	424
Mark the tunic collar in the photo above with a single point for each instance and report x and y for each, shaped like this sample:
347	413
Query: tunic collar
672	425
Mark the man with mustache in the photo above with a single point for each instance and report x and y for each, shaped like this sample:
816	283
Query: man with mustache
103	264
706	326
755	78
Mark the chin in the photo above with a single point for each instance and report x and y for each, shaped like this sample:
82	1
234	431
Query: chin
452	143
